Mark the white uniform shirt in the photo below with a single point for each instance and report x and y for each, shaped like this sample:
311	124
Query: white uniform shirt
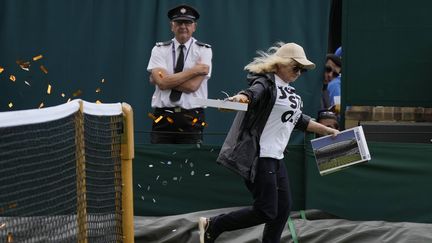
281	122
162	57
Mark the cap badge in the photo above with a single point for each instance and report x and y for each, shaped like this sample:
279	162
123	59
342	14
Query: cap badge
183	10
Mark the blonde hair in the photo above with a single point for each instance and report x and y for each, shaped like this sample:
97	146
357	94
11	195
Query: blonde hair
266	61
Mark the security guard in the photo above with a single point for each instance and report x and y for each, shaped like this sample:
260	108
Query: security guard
180	69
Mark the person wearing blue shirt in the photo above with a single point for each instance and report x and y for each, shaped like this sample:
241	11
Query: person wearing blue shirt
334	89
334	86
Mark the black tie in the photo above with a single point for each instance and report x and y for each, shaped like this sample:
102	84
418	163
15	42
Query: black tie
175	94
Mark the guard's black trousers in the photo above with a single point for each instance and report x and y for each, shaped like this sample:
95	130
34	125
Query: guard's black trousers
272	203
177	126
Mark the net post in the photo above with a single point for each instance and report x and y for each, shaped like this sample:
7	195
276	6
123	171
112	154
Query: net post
81	175
127	155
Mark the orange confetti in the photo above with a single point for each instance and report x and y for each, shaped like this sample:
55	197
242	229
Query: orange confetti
98	102
203	124
41	105
151	116
77	93
38	57
43	68
158	119
1	69
170	120
10	104
98	90
12	78
23	65
194	121
49	89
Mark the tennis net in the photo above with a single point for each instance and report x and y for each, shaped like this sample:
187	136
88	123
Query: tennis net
61	177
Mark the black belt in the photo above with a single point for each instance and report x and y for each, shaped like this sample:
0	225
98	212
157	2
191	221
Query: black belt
178	110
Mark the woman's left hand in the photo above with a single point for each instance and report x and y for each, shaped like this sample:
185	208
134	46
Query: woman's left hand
332	131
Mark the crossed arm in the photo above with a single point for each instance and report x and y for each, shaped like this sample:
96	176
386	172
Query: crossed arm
186	81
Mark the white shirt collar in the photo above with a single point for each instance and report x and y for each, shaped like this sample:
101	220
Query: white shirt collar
187	44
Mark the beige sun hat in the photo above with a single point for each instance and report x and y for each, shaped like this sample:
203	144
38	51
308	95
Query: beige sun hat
296	52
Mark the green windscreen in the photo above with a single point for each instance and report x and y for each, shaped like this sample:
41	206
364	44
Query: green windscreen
387	53
99	50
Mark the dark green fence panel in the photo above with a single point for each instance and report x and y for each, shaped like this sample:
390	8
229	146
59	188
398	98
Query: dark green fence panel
393	186
387	52
176	179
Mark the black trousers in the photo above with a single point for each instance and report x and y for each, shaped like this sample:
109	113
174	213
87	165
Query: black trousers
272	203
177	126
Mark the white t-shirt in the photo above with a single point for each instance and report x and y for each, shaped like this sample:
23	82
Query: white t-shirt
165	56
281	122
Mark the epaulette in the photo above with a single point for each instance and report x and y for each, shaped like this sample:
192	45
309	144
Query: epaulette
164	43
203	44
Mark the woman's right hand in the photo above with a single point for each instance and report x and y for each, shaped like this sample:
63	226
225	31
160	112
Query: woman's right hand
239	98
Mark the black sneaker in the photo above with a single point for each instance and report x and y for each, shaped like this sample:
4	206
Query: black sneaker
203	225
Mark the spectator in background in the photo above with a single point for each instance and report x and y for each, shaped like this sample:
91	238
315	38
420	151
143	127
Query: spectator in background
334	86
180	69
332	70
338	52
328	119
